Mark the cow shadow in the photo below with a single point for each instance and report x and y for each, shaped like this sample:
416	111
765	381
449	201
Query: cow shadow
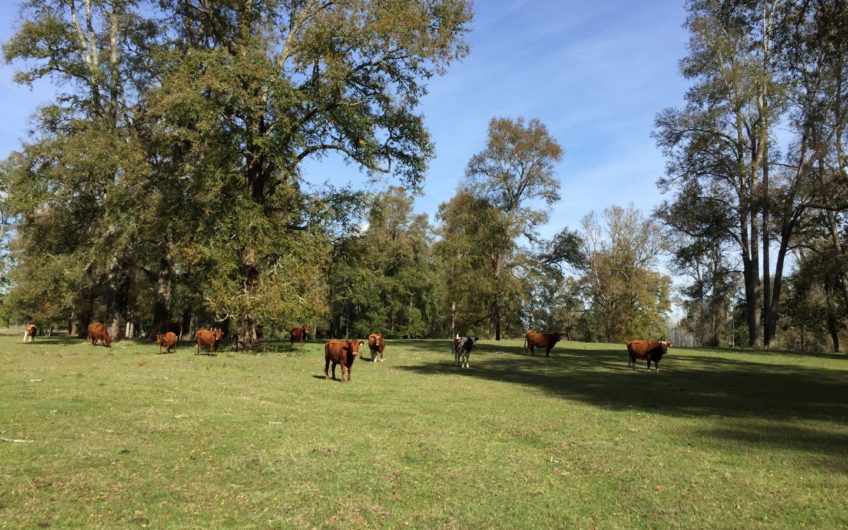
773	396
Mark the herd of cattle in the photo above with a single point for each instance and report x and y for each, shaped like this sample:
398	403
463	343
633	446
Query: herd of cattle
344	352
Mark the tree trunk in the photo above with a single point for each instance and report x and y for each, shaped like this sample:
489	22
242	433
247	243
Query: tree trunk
763	110
752	306
186	323
246	333
495	321
832	319
453	320
164	291
771	314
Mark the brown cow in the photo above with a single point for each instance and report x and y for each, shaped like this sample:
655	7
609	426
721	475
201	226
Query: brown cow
30	332
98	331
377	344
209	338
534	339
299	334
341	352
168	341
652	350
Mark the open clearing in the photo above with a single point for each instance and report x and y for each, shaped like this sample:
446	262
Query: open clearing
123	437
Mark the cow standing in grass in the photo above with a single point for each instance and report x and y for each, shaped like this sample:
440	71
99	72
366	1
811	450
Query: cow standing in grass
377	345
341	352
300	335
168	341
650	350
98	331
462	350
209	338
534	339
30	332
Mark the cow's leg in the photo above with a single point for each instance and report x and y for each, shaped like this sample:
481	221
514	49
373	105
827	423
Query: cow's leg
547	352
326	369
532	351
632	363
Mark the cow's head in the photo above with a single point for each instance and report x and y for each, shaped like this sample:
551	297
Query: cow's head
665	345
218	334
107	339
353	346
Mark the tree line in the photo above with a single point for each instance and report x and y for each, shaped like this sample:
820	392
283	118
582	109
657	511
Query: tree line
163	183
756	163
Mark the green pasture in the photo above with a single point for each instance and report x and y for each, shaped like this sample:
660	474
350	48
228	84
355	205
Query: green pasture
122	437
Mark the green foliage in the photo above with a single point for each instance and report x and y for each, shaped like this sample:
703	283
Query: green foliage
382	276
477	248
516	171
168	171
626	297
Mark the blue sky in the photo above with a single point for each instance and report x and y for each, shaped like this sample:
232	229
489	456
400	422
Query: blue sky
596	73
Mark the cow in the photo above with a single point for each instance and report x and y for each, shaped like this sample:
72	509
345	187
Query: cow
98	331
534	339
167	340
299	334
341	352
30	332
209	338
377	344
651	350
462	350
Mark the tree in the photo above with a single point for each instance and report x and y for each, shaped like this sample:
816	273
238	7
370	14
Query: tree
626	298
383	276
65	182
759	65
477	249
513	174
516	171
698	229
214	106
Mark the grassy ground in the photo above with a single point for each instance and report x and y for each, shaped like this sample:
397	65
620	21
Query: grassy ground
123	437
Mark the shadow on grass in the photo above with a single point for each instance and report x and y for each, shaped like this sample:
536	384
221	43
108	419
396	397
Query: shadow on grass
686	385
772	396
828	444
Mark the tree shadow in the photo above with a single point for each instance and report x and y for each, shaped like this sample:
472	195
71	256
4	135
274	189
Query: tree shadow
689	385
819	443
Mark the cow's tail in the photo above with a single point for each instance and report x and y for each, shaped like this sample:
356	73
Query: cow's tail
524	352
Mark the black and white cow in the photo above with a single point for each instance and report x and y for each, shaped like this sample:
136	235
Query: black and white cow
462	349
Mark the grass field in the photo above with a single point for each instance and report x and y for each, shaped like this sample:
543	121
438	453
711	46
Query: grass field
123	437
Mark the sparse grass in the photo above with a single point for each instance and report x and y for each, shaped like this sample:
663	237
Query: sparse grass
123	437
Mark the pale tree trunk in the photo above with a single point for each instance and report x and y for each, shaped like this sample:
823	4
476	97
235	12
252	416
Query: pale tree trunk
164	292
246	333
